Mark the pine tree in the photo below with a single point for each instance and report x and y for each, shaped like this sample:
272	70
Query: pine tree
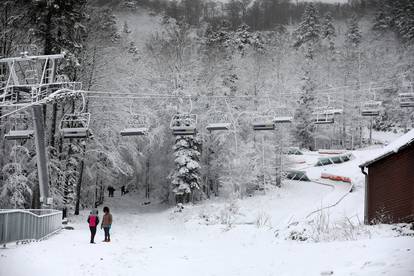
186	178
328	31
353	34
308	33
303	115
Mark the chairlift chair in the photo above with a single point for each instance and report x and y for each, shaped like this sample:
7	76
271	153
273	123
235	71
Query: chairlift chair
184	124
371	109
265	122
323	118
75	126
406	99
264	125
137	126
220	121
19	134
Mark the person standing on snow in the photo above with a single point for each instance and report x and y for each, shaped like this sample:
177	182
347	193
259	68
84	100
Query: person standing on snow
106	223
93	221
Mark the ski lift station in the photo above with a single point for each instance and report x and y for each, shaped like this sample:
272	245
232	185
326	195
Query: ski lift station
389	182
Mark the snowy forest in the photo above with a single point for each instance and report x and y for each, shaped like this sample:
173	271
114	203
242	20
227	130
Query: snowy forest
236	62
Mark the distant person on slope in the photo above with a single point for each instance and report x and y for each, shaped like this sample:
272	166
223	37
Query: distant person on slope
111	191
106	223
93	221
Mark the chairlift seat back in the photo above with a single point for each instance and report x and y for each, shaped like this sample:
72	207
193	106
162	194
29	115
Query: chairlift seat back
406	99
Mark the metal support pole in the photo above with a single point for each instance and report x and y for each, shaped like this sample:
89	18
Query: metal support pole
370	131
42	163
263	164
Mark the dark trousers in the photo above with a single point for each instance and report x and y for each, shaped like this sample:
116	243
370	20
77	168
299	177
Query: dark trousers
93	232
106	230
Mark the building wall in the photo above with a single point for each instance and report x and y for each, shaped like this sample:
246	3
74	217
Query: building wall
391	188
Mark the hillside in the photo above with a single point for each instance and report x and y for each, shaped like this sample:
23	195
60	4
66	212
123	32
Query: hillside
270	234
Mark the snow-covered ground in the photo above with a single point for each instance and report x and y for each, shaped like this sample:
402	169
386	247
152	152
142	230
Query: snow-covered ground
277	233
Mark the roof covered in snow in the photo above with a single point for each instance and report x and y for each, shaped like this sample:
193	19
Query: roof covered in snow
392	148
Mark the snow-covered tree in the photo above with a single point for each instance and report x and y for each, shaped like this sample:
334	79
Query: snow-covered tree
308	33
186	178
303	116
16	190
353	34
328	31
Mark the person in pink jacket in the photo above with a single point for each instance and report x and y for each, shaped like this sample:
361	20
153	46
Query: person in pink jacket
93	221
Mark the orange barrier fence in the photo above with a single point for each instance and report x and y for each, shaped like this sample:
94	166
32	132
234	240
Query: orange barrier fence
336	177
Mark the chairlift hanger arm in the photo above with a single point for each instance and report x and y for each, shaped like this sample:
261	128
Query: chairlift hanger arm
27	58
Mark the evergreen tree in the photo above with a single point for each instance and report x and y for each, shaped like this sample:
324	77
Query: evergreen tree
353	34
328	31
303	116
57	24
186	178
308	33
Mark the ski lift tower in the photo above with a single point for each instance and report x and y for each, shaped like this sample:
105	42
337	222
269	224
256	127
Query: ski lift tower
28	80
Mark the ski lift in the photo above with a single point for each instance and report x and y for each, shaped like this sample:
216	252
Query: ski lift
220	122
20	132
264	123
75	125
31	76
184	124
137	126
371	108
406	99
283	115
323	116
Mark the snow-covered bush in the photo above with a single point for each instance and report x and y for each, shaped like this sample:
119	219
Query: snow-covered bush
263	219
228	213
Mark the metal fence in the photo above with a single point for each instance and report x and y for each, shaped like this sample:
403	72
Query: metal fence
28	224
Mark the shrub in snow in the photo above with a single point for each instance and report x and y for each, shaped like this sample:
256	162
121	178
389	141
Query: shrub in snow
263	219
228	213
